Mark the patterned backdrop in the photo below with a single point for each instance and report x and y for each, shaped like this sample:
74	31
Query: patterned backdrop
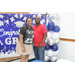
9	30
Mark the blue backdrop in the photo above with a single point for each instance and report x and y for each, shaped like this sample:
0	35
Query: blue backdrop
9	29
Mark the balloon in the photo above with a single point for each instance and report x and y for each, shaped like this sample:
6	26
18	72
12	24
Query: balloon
54	47
46	40
49	35
50	42
55	52
49	61
46	58
50	18
57	41
56	29
47	28
55	16
41	22
53	58
46	52
55	35
50	53
34	16
51	26
47	47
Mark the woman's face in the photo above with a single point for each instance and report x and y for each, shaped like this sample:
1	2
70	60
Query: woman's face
29	22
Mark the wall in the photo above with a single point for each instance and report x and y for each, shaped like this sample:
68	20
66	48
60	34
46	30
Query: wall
37	12
67	50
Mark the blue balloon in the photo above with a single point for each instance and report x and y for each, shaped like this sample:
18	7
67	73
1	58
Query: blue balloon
48	61
54	47
47	28
56	29
51	26
47	47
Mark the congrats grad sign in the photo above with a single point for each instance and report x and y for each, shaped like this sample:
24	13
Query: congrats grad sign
9	30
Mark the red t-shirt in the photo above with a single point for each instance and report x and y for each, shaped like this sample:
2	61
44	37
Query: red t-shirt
39	32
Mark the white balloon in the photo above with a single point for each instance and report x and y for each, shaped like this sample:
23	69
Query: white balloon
50	53
55	35
46	52
46	40
56	16
57	41
39	15
55	52
53	58
41	22
50	42
46	58
34	16
49	35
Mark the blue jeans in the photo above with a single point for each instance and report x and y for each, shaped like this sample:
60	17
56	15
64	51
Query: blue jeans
39	53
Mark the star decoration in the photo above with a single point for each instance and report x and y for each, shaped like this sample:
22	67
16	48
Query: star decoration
1	23
21	15
1	16
24	18
12	19
16	16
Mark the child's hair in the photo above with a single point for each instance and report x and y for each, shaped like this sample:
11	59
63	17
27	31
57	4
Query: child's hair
28	18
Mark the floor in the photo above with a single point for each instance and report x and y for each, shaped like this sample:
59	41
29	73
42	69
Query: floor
30	57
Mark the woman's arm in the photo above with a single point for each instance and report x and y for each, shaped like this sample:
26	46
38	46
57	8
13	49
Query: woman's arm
21	42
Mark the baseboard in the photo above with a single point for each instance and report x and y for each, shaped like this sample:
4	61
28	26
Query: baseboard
9	59
19	58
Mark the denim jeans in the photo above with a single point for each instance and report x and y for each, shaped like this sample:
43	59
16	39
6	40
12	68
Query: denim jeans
39	53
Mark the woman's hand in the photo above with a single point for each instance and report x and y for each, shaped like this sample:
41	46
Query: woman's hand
23	49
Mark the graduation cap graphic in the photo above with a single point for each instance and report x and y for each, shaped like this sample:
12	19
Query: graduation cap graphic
19	24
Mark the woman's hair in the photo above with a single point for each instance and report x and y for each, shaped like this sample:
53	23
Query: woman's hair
28	18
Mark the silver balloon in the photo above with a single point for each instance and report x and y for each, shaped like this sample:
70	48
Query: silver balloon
46	58
57	41
53	58
50	42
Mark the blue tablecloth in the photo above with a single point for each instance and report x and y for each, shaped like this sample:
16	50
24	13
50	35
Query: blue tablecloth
37	61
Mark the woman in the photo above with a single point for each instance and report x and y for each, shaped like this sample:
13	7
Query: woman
26	40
